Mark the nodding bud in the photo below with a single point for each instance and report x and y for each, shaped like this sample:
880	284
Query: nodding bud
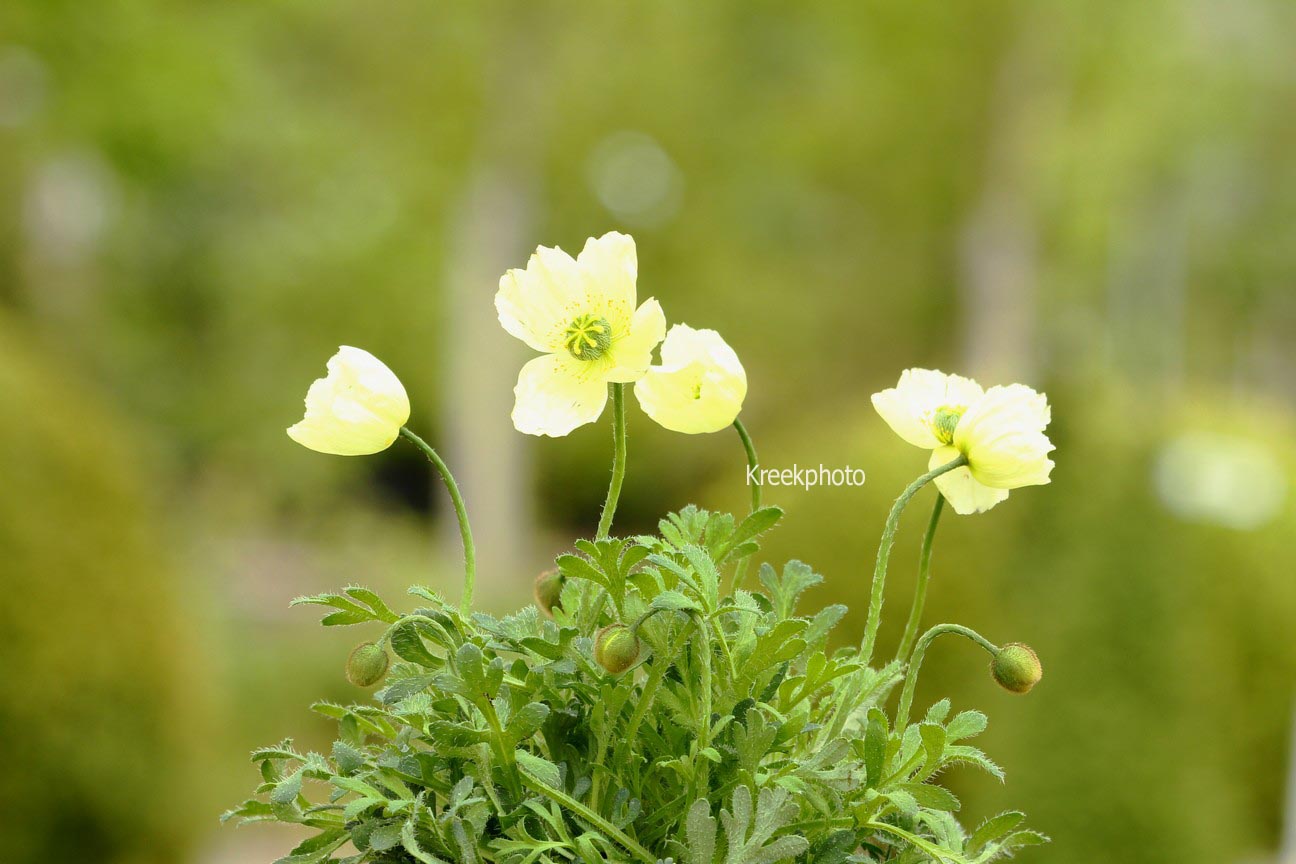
1016	668
616	648
367	664
548	591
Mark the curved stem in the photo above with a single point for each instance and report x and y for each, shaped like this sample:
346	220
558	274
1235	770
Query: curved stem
911	676
752	463
924	577
618	461
884	554
461	513
740	571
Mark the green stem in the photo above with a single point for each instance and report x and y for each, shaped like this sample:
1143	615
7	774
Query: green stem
461	513
924	577
618	461
703	770
503	752
563	799
920	650
884	554
740	572
752	463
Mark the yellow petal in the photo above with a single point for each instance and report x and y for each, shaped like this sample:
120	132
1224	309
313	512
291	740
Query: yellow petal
555	394
357	409
610	265
537	304
700	385
960	488
1003	437
631	353
909	407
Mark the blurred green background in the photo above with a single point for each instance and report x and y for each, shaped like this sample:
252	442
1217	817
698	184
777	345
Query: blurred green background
200	201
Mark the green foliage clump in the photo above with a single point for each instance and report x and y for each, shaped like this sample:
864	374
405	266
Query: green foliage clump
100	693
732	736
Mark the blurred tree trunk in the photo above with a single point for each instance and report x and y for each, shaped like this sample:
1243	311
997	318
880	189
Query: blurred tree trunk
481	362
492	230
998	254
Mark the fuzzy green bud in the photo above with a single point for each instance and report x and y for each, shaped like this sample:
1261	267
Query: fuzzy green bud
1016	668
548	591
616	648
367	664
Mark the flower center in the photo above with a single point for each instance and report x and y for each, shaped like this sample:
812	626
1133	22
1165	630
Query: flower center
943	423
588	338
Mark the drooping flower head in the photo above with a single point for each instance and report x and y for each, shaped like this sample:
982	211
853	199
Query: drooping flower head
359	408
1000	431
699	386
581	313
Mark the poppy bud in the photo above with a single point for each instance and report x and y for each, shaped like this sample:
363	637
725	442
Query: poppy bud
367	664
1016	668
616	648
548	591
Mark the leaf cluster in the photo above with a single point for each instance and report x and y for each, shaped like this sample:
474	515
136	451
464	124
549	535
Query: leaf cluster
736	738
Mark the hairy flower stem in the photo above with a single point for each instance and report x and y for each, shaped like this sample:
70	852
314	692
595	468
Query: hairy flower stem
703	766
884	555
911	675
924	577
461	513
618	461
740	572
752	462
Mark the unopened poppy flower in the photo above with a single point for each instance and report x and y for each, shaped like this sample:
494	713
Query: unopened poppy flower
699	386
359	408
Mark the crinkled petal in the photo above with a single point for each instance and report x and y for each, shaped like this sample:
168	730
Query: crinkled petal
357	409
631	353
908	407
1003	437
537	304
557	393
609	265
703	391
960	488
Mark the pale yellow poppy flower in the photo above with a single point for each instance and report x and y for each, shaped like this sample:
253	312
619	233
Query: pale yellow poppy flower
581	312
358	409
699	386
1000	431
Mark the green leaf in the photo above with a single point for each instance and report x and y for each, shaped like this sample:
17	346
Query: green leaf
408	645
525	722
785	590
967	724
875	747
349	612
409	842
938	712
374	602
674	601
348	759
385	837
540	768
993	828
942	855
1023	838
753	526
288	789
933	740
403	688
932	797
700	831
